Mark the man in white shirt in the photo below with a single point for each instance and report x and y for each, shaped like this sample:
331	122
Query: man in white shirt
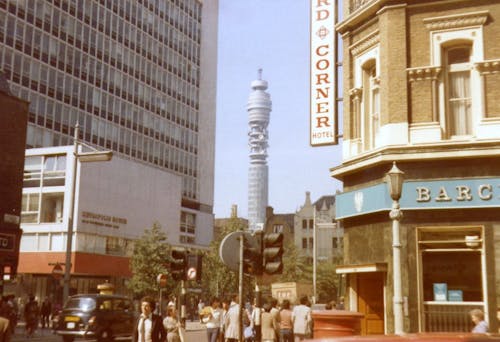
232	320
149	327
301	318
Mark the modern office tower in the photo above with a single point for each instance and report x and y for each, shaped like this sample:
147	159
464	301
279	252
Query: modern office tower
138	76
259	107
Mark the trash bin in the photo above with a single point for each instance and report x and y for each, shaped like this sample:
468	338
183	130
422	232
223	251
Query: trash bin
330	323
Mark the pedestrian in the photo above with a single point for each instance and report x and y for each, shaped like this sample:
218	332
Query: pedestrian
225	309
212	317
275	312
301	318
232	321
5	325
172	325
201	305
477	317
286	324
149	326
268	324
45	312
31	316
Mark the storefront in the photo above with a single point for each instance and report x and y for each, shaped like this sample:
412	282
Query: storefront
448	256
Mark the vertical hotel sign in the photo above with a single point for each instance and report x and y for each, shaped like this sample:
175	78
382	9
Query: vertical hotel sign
323	122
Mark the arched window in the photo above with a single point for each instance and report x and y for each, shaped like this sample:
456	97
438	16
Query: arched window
458	90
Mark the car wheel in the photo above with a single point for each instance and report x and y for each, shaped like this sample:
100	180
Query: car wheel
106	336
68	338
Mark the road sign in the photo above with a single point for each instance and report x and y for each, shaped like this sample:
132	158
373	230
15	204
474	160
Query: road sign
191	273
229	250
57	271
161	280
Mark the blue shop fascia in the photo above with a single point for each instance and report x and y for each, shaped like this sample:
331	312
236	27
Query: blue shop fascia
449	232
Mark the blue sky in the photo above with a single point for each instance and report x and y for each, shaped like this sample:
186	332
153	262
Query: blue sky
272	35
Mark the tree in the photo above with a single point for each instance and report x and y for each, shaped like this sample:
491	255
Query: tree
149	259
217	279
327	281
295	267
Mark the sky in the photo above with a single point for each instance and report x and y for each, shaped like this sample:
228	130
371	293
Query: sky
272	35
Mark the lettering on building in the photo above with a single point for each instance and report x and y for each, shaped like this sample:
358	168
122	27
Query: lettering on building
102	220
459	193
322	75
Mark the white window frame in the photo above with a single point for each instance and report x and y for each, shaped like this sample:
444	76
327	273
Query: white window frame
442	39
368	138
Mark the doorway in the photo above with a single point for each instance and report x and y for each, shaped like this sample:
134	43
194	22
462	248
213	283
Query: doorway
370	289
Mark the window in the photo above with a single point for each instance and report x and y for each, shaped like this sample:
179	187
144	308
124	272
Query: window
311	223
334	243
304	224
458	94
188	222
29	208
451	260
52	208
370	105
278	228
304	243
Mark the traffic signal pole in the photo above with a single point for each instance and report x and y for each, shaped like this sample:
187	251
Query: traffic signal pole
183	303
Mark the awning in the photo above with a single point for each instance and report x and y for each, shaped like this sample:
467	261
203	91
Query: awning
363	268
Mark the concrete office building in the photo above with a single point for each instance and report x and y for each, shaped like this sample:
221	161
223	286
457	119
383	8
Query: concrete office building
421	86
138	76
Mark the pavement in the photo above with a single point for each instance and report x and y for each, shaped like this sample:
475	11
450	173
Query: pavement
193	328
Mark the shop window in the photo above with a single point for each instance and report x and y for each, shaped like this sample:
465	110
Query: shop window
451	283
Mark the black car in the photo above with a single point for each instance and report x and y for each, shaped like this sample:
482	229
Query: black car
96	316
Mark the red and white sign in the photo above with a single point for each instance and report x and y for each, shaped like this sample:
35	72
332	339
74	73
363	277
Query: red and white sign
57	271
323	119
191	273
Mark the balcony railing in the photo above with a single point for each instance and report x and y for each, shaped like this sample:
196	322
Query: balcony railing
447	316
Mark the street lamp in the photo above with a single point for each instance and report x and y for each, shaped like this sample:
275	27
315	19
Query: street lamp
92	156
395	183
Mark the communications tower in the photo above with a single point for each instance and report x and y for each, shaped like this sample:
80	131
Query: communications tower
259	107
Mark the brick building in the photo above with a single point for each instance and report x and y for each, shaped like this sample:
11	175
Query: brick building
13	122
421	82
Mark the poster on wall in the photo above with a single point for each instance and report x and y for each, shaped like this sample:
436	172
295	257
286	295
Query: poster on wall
440	291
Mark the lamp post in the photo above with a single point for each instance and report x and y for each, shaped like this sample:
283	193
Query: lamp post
92	156
395	183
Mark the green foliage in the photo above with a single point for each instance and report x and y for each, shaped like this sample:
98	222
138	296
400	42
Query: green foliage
295	267
326	281
150	258
217	279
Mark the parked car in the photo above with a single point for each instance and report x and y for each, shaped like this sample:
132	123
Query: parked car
96	316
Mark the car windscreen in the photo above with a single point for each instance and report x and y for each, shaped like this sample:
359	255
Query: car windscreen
82	303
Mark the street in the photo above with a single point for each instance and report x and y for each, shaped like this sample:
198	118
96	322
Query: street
194	332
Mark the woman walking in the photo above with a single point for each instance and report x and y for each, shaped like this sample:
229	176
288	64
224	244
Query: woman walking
172	325
212	317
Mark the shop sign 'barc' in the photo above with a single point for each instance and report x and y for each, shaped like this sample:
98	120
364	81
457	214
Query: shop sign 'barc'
323	122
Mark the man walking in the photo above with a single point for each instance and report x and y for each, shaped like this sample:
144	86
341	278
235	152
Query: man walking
149	326
232	321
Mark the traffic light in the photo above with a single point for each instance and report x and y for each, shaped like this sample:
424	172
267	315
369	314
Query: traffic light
252	255
178	264
193	269
273	253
